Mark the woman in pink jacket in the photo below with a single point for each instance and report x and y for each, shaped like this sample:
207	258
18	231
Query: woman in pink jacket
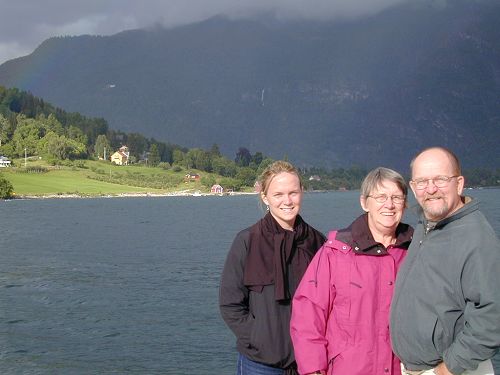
340	311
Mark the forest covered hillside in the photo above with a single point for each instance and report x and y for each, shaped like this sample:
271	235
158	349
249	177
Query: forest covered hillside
367	92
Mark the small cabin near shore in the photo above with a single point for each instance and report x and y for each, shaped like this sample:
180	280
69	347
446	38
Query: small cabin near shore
216	189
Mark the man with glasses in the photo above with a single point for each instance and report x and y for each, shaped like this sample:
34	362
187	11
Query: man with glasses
445	314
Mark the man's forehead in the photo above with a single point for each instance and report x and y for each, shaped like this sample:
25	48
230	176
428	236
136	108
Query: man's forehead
432	161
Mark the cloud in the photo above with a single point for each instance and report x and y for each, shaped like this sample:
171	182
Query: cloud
9	50
87	25
319	9
24	24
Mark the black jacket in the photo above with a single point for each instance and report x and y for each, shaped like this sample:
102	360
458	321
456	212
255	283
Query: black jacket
260	323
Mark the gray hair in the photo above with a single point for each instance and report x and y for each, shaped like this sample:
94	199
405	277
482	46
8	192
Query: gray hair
377	176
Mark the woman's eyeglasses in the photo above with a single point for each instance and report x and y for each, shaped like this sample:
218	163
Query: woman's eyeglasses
396	199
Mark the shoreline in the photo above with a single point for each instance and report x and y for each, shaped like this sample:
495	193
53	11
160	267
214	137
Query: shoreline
179	193
182	193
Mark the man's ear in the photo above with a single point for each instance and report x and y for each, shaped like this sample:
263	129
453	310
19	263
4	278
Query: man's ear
460	184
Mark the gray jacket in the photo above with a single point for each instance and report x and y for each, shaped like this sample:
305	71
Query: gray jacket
446	305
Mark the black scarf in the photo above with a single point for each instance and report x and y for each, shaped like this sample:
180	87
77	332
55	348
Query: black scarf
276	254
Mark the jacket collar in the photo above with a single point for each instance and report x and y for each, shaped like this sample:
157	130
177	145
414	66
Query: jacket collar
359	237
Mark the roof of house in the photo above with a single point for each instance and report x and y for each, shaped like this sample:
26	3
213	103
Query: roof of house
123	155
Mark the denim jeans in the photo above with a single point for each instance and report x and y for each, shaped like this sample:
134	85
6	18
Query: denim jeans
249	367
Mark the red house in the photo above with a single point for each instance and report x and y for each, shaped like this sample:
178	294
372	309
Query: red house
191	177
217	189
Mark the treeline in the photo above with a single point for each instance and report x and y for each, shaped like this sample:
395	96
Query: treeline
334	179
351	178
482	177
31	127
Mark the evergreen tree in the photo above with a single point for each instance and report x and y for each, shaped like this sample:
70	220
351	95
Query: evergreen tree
215	151
137	144
257	158
5	130
178	157
154	155
243	157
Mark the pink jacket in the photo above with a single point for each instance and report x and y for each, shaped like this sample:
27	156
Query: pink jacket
340	311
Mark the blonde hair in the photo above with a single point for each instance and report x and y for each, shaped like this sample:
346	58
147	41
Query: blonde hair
274	169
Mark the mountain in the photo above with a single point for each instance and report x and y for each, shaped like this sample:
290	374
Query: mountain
370	92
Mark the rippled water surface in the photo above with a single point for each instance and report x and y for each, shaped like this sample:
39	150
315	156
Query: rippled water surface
130	285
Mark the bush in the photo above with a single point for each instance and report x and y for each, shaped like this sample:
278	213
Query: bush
164	165
80	164
6	188
33	169
74	164
53	161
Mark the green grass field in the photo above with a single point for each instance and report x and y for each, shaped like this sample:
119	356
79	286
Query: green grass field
65	182
72	180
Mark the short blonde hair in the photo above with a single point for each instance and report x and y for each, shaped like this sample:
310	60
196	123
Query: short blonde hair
274	169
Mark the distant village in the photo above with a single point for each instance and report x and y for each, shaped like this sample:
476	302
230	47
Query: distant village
122	157
315	182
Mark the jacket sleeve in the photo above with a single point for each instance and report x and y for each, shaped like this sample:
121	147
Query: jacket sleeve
233	295
310	311
480	336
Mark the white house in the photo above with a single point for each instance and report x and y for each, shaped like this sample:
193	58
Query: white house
121	156
4	162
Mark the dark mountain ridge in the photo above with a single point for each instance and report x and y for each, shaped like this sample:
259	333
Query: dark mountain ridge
368	92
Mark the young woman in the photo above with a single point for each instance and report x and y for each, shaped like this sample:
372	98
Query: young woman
262	270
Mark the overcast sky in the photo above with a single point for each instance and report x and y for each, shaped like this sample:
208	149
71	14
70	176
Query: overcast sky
24	24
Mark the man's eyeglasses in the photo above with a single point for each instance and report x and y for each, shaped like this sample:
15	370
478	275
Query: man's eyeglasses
396	199
439	181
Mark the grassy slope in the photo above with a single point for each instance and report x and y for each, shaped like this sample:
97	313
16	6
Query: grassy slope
64	182
71	180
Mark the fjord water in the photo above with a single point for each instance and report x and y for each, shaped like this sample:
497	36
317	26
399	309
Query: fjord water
130	285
